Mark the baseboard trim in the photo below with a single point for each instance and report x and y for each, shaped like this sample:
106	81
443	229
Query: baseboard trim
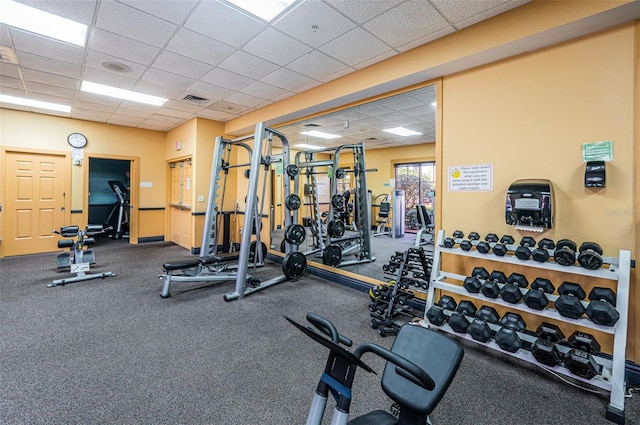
151	239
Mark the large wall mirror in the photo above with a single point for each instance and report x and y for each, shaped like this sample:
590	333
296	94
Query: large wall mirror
366	182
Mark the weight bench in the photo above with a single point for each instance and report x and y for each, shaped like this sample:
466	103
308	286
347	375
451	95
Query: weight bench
420	367
426	226
216	260
383	215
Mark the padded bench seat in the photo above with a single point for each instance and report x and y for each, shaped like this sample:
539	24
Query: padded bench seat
219	258
181	264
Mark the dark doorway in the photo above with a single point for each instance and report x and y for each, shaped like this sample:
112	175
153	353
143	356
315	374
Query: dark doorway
103	202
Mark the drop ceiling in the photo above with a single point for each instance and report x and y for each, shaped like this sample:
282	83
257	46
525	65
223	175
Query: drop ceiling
233	62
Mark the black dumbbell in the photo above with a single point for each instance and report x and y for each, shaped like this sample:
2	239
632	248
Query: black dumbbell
484	247
507	336
448	243
535	298
490	286
447	302
602	308
579	360
565	252
474	236
590	256
473	283
500	249
466	245
523	252
510	292
544	348
541	253
488	314
436	314
479	328
461	318
569	303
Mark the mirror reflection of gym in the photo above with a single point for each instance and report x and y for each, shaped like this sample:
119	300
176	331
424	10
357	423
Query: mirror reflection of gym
398	211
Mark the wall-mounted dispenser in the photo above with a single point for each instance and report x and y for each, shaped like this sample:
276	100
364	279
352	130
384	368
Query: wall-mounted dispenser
594	174
530	205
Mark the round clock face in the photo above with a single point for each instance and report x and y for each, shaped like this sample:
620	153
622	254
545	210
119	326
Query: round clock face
77	140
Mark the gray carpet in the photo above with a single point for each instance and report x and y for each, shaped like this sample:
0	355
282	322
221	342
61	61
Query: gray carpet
113	352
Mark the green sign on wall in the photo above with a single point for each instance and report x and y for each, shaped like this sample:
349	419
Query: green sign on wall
598	151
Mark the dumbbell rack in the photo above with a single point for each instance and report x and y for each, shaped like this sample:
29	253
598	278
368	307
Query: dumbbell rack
613	370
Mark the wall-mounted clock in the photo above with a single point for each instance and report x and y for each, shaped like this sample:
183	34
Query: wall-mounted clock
77	140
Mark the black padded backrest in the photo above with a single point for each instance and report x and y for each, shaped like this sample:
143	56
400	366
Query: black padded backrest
437	354
385	207
423	215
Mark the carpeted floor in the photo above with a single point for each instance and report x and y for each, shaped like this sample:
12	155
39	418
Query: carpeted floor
113	352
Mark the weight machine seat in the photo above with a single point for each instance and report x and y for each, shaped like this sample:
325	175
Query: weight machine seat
181	264
437	354
383	212
377	417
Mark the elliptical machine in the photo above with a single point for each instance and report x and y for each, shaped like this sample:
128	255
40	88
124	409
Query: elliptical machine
78	259
420	367
120	207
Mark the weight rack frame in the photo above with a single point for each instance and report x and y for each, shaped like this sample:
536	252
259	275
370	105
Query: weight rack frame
612	378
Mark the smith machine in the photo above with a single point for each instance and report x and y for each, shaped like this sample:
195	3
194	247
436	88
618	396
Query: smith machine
212	265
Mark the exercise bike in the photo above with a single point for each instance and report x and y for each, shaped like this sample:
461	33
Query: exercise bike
78	259
420	367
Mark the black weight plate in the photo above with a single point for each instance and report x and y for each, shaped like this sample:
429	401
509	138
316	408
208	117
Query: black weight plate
337	202
590	246
292	202
590	260
295	234
568	243
332	255
294	265
335	228
564	256
252	251
292	170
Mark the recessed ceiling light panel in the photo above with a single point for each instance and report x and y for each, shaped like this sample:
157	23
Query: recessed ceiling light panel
307	146
34	103
320	134
401	131
43	23
263	9
95	88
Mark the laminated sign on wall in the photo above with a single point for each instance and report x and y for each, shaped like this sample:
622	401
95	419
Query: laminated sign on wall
471	178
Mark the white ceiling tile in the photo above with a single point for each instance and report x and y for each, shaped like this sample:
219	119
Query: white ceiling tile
354	47
35	87
215	115
308	87
248	65
134	112
287	79
51	79
264	91
10	82
154	125
501	8
121	19
244	100
330	23
181	65
164	118
46	47
427	38
372	60
317	65
79	107
125	120
361	11
9	70
337	74
227	107
198	47
96	59
147	87
28	60
208	91
175	113
90	112
417	18
223	23
77	10
140	107
102	76
175	11
276	47
167	79
226	79
126	48
182	105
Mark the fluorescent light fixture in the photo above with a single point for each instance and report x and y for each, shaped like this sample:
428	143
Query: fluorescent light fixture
320	134
401	131
34	103
307	146
122	94
264	9
43	23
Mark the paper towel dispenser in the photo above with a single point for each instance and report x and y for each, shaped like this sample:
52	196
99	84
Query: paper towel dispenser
529	205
